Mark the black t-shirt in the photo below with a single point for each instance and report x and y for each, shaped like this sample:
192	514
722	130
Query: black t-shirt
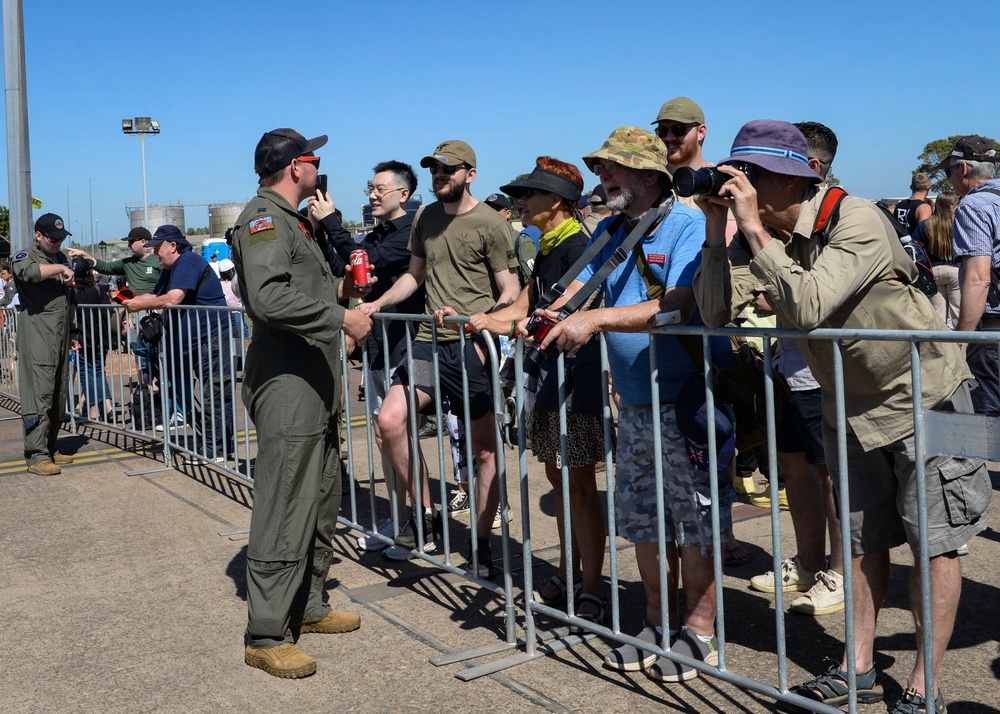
906	212
583	370
97	327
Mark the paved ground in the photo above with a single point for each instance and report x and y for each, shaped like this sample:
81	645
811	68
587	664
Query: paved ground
124	593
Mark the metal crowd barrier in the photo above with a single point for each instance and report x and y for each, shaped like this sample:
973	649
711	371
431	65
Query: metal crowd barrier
196	373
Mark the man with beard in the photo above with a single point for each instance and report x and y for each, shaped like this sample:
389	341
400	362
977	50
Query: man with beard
463	255
632	166
681	127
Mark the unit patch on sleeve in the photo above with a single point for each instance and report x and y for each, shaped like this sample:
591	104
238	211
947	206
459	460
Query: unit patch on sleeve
261	229
20	256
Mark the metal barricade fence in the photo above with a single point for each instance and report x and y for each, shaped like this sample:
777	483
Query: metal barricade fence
196	373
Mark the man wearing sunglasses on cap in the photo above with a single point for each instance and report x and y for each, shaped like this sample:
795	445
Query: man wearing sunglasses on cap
44	280
291	387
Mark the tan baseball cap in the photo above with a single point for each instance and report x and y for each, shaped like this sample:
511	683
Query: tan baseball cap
450	153
632	147
680	109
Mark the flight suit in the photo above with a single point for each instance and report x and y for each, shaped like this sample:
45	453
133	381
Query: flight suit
291	387
43	323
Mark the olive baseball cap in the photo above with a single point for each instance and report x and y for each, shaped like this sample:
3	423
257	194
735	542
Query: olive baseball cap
632	147
971	148
680	109
450	153
51	225
278	147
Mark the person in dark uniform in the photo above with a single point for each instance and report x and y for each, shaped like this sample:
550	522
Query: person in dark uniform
291	388
44	279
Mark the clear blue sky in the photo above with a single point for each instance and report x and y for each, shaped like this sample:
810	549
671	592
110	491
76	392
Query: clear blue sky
515	79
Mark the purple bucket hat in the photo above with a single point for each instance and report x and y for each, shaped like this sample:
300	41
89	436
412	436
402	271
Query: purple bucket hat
777	146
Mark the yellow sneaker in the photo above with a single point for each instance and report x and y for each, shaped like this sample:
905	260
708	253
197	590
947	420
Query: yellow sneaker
763	499
744	485
285	660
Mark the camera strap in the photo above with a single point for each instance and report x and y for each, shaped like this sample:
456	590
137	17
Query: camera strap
593	248
649	222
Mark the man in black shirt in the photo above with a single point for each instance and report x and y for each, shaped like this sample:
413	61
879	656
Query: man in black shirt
910	211
387	246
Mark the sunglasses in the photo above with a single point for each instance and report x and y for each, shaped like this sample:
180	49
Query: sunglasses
446	170
310	159
677	131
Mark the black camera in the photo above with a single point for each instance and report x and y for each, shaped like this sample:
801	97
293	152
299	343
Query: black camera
538	327
708	181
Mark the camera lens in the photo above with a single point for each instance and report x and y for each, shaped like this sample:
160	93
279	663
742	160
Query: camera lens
703	182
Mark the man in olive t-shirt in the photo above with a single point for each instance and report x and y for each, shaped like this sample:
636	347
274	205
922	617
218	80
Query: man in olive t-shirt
462	253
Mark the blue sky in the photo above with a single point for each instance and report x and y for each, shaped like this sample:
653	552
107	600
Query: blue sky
515	79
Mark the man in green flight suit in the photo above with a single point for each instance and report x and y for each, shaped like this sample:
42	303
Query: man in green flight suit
43	277
291	387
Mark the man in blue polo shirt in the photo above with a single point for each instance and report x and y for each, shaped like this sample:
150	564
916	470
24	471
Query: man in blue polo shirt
197	341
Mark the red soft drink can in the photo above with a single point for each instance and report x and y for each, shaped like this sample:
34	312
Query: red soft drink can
359	268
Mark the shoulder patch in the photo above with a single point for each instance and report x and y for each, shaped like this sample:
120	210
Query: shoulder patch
265	223
20	256
305	231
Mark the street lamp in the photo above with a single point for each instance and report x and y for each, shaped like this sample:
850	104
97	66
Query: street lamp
142	126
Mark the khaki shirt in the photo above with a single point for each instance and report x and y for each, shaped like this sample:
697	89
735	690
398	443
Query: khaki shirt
861	279
286	284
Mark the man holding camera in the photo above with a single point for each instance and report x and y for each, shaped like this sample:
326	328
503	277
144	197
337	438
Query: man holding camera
292	389
632	166
462	253
852	274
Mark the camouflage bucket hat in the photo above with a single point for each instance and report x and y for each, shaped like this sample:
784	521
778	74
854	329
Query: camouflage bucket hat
632	147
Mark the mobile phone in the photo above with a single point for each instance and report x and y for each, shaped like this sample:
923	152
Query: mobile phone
321	183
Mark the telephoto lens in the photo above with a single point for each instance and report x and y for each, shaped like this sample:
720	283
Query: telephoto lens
703	182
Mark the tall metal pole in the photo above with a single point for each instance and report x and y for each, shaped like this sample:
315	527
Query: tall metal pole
16	100
145	205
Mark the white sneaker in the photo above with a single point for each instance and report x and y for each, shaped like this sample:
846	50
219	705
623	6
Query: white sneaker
385	528
396	553
176	421
498	519
793	577
824	598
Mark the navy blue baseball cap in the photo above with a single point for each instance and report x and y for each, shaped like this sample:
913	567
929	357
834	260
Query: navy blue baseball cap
169	234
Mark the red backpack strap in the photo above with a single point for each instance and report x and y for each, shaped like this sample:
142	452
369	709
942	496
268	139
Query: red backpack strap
828	209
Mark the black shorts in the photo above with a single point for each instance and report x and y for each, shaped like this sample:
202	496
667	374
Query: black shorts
801	427
450	360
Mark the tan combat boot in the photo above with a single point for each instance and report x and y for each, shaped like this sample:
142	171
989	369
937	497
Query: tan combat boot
285	660
60	459
335	621
44	468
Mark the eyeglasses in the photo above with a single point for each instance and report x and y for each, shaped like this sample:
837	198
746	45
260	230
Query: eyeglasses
310	159
446	170
527	194
675	130
601	167
948	168
373	190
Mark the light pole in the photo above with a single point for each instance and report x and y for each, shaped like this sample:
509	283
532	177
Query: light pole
142	126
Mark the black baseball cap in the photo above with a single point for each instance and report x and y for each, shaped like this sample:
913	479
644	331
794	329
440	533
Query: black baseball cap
51	225
498	201
971	148
138	233
278	147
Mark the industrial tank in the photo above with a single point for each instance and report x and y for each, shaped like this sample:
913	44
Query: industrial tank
222	216
158	216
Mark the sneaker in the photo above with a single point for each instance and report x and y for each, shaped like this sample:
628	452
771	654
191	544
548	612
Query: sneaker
334	622
962	550
824	598
407	538
44	468
385	528
176	421
498	518
745	484
913	703
285	660
486	569
459	503
689	645
763	499
396	553
629	658
793	577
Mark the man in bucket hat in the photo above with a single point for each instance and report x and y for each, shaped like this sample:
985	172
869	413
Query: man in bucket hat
632	166
852	274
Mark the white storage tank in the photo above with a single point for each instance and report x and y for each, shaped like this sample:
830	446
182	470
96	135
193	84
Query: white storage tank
222	216
158	216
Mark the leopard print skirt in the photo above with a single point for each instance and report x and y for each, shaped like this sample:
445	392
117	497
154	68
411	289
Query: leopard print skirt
585	442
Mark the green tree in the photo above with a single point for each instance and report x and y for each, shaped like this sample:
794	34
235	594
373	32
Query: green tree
932	155
4	221
516	211
832	180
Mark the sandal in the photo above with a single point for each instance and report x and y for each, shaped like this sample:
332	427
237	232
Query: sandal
558	600
729	557
831	687
598	618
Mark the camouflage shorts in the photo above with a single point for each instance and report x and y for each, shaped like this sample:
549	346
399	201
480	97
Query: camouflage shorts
687	502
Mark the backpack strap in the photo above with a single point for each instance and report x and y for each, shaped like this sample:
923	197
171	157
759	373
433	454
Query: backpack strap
829	213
